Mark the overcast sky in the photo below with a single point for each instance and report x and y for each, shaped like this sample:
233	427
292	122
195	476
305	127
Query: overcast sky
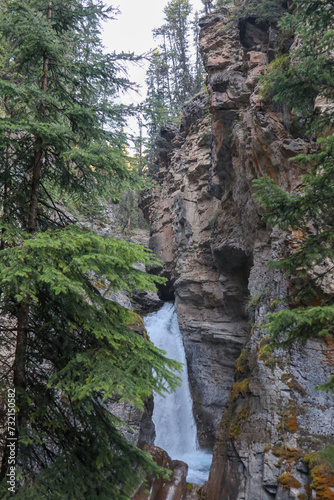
132	32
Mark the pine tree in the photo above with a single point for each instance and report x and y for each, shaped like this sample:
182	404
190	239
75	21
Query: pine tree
174	75
159	100
266	11
170	78
198	78
305	81
208	5
156	109
64	346
177	25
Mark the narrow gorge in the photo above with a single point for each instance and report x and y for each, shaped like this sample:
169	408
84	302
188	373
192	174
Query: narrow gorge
167	261
260	413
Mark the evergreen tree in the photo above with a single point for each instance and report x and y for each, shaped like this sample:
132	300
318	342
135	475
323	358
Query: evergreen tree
174	74
266	11
170	78
305	81
64	346
208	5
198	79
156	110
159	101
177	26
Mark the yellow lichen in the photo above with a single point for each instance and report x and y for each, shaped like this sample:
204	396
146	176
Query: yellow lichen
292	383
135	323
254	300
242	415
322	482
98	284
289	481
241	363
240	388
265	352
321	467
291	424
287	454
234	431
289	418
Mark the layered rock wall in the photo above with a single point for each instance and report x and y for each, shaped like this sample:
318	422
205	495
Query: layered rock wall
206	226
209	296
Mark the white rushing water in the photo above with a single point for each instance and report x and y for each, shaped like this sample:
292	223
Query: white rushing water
173	418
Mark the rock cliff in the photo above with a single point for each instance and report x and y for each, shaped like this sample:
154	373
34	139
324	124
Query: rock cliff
263	413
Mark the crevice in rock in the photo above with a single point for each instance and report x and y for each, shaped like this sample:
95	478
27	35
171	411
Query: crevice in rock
253	35
234	266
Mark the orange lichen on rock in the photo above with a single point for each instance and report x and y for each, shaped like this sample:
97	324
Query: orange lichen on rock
298	234
289	419
291	423
289	481
322	482
287	454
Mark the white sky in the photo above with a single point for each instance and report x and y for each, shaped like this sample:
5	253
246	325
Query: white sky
132	32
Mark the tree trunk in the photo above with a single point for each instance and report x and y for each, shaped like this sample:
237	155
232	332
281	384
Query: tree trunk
21	357
5	194
20	361
38	158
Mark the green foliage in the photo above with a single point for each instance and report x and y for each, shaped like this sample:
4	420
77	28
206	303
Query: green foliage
208	6
325	456
265	11
63	344
129	216
173	77
307	73
300	80
254	300
328	386
214	219
287	326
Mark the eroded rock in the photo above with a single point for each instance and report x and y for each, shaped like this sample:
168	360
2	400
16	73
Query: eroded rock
206	226
162	489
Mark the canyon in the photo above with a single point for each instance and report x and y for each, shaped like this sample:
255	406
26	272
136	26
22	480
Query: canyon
261	413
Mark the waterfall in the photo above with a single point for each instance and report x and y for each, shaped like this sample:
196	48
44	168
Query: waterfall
173	417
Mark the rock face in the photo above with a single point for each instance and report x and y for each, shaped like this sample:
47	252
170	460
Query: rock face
206	227
138	425
175	488
209	295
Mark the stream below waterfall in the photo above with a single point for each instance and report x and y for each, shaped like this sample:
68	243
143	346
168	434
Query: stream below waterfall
173	417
